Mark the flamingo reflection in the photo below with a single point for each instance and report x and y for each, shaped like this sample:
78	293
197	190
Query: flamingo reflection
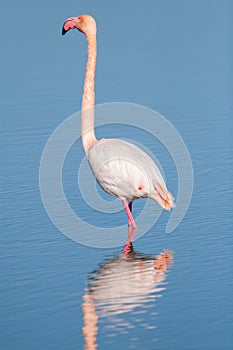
122	284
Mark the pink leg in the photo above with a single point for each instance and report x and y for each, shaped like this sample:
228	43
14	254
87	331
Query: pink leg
130	205
128	247
131	233
132	227
128	209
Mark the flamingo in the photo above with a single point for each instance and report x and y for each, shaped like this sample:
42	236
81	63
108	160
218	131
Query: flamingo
121	168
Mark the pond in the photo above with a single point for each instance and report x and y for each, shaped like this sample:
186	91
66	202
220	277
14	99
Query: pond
171	290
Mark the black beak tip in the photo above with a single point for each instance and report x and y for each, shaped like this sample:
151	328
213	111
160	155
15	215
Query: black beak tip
63	31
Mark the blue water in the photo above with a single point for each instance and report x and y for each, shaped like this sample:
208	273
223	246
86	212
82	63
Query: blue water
174	57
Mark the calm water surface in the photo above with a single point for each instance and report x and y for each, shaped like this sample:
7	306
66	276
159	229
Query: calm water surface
171	291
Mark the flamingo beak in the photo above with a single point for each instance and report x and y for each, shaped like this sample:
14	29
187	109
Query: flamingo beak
70	23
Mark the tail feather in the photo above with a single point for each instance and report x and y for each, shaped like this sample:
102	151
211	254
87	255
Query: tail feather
166	200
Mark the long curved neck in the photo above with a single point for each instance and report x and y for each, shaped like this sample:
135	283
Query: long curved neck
88	100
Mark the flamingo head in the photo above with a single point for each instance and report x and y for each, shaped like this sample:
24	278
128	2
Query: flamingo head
85	24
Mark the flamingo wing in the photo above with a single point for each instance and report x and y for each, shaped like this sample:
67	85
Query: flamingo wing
127	172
